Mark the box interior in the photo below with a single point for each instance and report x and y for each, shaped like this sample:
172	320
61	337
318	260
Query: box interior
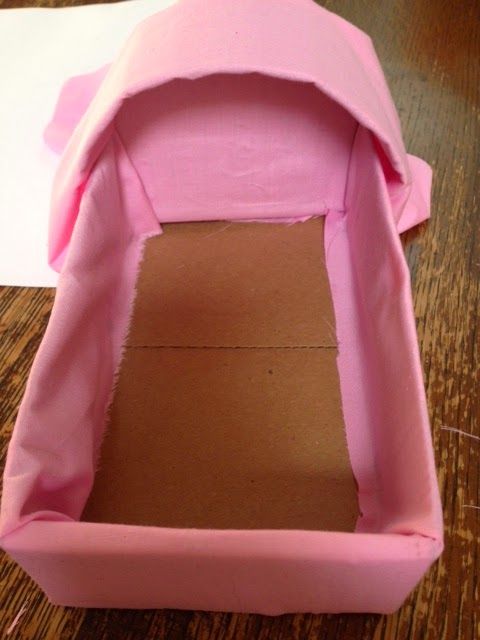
223	370
227	411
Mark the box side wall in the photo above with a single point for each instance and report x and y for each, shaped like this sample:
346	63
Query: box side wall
85	565
390	372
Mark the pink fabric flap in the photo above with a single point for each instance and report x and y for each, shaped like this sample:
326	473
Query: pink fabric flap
417	207
73	101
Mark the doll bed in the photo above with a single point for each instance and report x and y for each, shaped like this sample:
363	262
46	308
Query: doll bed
223	477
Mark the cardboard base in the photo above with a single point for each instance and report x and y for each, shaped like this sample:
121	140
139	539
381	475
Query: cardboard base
227	412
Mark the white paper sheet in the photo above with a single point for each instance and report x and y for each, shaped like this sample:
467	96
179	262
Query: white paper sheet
39	50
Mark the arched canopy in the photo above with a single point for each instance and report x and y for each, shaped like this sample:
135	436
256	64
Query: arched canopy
288	39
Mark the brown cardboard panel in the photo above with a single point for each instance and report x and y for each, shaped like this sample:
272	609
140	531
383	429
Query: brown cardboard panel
227	438
220	283
227	412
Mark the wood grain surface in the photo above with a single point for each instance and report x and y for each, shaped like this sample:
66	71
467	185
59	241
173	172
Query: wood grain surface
430	53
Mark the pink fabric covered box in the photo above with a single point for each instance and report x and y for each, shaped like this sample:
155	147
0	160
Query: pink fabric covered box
240	111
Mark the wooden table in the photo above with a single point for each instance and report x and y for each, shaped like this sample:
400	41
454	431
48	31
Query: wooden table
430	53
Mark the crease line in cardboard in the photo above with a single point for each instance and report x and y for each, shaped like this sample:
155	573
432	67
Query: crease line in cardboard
237	347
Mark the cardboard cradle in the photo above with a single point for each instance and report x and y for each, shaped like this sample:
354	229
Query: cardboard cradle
229	415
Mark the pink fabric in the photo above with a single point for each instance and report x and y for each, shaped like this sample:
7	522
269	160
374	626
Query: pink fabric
293	39
284	128
260	138
78	93
262	74
269	572
390	445
73	101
